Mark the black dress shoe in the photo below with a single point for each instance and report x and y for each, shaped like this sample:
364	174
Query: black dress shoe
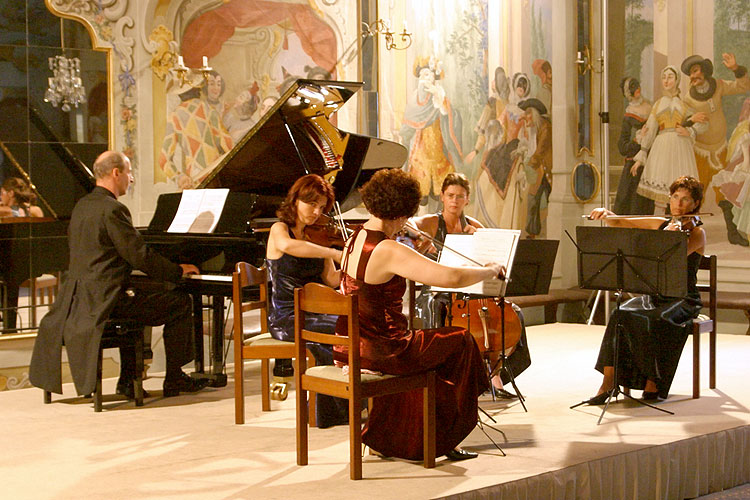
458	455
183	383
599	399
126	389
653	396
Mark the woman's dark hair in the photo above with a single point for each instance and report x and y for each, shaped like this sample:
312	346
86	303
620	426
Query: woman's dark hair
456	179
307	189
21	191
693	186
391	194
628	86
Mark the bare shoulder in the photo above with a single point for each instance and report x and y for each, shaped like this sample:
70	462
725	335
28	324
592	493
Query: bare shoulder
427	223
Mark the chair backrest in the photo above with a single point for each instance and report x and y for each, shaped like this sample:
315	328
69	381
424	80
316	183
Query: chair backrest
320	299
246	275
708	263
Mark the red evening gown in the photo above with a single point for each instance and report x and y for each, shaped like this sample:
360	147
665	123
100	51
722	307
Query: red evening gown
394	426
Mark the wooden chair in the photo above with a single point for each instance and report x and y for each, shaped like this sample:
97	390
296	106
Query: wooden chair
126	333
706	325
261	346
331	380
42	291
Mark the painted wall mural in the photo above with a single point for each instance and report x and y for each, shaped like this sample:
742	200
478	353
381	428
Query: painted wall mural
474	95
698	123
256	49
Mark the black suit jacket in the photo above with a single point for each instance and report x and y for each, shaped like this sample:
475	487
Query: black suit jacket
104	250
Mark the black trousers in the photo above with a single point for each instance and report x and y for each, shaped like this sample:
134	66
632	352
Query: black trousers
173	309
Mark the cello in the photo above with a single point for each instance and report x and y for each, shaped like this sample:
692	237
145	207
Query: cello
495	327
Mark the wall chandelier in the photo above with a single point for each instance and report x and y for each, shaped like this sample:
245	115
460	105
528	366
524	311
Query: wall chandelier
384	28
65	85
187	75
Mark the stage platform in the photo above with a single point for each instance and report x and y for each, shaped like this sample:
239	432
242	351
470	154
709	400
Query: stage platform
188	447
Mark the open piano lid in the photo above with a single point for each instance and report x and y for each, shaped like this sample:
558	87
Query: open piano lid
294	138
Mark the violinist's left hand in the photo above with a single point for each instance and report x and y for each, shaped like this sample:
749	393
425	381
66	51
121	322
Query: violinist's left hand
469	229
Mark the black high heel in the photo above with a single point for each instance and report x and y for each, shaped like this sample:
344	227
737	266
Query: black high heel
599	399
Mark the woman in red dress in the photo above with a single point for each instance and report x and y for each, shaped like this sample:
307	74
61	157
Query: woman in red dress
374	267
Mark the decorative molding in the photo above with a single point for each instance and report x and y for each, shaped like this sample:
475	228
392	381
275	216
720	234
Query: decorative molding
107	20
661	4
163	50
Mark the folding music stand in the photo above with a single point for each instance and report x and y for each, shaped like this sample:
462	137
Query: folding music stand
530	274
631	260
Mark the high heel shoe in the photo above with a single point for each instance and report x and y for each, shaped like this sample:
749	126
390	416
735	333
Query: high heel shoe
653	396
599	399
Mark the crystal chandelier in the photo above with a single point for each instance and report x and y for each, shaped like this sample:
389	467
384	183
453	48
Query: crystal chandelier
65	86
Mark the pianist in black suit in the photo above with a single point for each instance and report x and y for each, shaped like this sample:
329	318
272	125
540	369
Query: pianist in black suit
104	250
293	262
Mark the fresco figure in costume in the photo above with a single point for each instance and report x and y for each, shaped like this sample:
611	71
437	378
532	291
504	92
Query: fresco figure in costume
492	111
667	141
536	145
734	180
243	114
502	185
627	200
710	145
543	69
195	136
431	129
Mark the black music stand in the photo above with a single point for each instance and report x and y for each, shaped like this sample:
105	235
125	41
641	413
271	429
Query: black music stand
631	260
530	274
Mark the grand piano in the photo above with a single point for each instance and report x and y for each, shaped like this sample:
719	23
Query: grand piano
294	138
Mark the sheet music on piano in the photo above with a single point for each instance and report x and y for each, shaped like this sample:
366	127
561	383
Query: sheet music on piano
199	211
484	245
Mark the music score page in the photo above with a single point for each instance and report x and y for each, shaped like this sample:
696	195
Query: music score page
199	211
485	245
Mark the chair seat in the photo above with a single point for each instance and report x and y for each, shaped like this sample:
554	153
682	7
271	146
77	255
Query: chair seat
265	339
331	372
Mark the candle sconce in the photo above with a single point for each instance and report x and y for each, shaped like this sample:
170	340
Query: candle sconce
189	75
384	28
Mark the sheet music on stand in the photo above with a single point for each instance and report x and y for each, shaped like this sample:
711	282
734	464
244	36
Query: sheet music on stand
199	211
484	245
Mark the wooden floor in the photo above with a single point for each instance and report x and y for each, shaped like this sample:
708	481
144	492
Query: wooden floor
189	447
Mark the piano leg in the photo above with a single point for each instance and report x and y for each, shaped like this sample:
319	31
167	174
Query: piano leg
198	331
218	377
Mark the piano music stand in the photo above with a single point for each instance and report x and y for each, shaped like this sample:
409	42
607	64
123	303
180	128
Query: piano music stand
631	260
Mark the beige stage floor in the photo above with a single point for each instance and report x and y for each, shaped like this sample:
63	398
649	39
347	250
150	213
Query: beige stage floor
188	447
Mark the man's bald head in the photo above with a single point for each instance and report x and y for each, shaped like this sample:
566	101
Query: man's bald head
107	161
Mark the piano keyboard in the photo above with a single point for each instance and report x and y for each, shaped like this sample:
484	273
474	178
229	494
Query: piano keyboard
225	278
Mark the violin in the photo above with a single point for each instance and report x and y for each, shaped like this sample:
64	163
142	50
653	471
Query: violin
686	223
329	232
484	319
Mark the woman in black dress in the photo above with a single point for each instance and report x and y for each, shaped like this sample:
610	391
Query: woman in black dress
655	328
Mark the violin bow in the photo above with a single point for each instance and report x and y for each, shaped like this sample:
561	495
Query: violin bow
440	243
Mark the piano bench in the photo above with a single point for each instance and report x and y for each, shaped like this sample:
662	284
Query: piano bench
126	333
